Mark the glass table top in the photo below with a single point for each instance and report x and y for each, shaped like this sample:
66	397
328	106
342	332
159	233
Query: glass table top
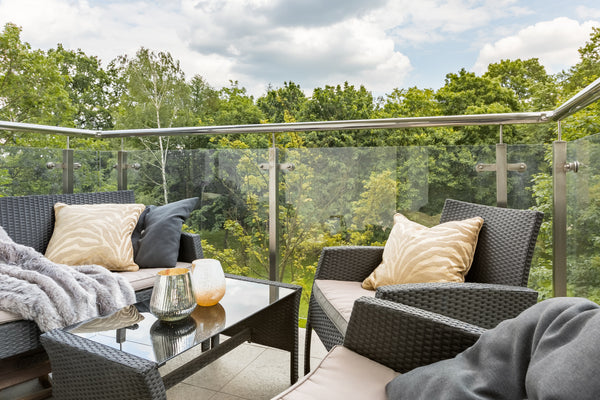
140	333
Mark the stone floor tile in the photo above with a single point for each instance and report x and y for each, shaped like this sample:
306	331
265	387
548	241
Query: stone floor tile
184	391
263	378
317	349
225	396
220	372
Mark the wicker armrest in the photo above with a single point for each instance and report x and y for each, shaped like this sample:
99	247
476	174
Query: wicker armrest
403	337
348	263
484	305
190	247
84	369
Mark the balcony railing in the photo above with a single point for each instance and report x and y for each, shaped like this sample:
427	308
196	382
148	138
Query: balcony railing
267	212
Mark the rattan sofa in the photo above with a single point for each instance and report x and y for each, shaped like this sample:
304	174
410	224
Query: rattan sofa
495	287
29	220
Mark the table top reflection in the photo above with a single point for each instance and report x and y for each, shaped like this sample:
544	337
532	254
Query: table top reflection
136	331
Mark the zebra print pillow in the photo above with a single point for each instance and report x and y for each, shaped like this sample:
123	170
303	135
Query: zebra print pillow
414	253
94	234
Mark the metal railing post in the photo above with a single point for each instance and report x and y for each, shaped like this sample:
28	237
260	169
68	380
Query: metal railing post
122	170
67	171
501	173
273	212
559	218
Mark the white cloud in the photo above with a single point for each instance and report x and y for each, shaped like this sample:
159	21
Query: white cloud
104	30
415	22
554	42
310	42
584	12
263	47
256	42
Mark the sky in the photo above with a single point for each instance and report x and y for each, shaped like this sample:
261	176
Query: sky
381	44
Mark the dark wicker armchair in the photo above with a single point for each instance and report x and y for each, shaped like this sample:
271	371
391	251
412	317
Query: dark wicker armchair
495	287
383	338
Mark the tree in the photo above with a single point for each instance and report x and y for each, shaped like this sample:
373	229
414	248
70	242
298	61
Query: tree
282	104
155	96
89	87
408	103
236	107
32	89
464	91
339	103
204	100
587	69
528	79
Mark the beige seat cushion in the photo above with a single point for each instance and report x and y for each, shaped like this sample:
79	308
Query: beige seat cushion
144	277
6	317
342	374
415	253
336	298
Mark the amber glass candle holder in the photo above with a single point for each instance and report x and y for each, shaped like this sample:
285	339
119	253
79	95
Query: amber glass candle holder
208	281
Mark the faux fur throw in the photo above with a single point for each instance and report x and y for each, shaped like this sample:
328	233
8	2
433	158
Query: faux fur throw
55	295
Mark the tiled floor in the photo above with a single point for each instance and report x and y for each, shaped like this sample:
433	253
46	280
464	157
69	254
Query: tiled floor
249	372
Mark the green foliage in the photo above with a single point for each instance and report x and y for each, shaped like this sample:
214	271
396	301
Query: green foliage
88	86
32	88
465	91
346	185
282	104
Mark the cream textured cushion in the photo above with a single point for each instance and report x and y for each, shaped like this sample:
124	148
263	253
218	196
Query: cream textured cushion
94	234
337	298
416	254
342	374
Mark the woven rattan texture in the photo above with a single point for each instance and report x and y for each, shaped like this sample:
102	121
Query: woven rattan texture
345	263
506	241
502	259
348	263
278	326
326	331
83	369
403	337
18	337
190	247
29	220
484	305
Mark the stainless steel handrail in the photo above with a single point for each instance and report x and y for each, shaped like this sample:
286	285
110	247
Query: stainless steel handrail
386	123
24	127
582	99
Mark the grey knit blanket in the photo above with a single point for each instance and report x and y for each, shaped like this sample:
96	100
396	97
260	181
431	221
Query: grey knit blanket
55	295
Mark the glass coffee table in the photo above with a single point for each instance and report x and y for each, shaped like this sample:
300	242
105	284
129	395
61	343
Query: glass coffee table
118	356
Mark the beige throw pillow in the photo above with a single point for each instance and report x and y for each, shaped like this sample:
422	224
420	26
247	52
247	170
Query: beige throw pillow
414	253
94	234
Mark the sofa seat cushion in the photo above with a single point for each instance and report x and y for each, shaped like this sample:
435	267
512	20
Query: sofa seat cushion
7	316
336	298
144	277
342	374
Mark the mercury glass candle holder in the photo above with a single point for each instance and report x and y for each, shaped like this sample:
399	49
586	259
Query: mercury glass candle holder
172	296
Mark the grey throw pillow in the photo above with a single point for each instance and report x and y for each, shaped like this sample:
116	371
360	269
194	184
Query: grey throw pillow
156	237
